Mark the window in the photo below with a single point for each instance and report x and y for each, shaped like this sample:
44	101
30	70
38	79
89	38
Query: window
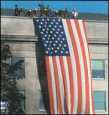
100	100
17	67
22	92
43	102
98	68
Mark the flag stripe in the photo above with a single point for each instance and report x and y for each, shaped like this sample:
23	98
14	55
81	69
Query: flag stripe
74	77
64	81
51	96
78	66
76	37
67	83
71	82
68	65
61	83
50	63
57	85
88	64
85	64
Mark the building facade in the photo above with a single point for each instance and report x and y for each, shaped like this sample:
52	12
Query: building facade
19	34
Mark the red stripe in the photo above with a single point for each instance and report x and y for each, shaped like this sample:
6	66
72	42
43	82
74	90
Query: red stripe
71	82
57	85
85	64
78	66
90	68
64	81
49	85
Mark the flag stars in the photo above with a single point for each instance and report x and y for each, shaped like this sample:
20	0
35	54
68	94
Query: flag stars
53	36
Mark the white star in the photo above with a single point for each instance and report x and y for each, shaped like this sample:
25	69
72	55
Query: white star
58	48
57	32
43	38
55	26
54	44
42	33
39	26
54	20
45	45
54	35
45	22
61	52
56	41
45	35
46	52
47	28
51	52
62	48
37	20
51	32
55	51
47	19
58	38
59	20
49	35
42	19
66	52
60	45
62	32
65	45
53	38
60	26
49	25
60	35
41	23
57	23
58	29
43	29
53	29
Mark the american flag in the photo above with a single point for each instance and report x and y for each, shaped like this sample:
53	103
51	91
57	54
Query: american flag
67	65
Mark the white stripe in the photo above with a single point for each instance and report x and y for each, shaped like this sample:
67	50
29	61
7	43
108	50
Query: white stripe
68	83
53	84
87	59
61	86
76	37
73	63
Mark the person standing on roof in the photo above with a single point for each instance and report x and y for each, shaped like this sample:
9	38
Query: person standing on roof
74	13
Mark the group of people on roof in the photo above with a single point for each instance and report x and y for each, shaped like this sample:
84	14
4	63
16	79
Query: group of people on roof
43	11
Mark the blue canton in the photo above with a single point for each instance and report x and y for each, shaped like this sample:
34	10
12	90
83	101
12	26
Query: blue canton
53	36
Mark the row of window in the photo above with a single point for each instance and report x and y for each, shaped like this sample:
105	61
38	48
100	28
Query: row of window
98	68
98	72
99	101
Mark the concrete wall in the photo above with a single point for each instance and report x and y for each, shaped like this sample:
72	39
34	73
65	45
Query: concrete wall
96	31
20	28
100	52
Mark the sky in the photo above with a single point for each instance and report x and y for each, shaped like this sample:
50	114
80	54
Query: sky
81	6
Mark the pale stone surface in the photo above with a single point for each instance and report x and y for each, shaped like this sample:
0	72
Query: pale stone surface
17	26
96	31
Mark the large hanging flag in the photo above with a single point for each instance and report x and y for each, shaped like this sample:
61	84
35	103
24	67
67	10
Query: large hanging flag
67	65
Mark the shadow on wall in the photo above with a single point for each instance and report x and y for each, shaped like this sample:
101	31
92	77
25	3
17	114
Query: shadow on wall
42	75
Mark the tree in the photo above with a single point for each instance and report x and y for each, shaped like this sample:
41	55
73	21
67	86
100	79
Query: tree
9	91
